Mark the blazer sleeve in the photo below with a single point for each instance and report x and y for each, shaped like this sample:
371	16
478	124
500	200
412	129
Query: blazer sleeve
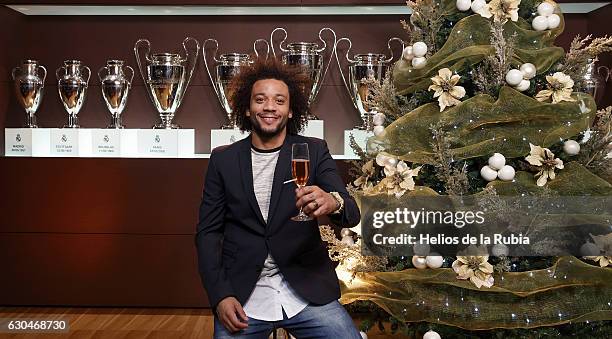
209	236
328	179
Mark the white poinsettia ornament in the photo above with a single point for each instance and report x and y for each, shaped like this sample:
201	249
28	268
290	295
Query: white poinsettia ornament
446	89
500	10
398	179
475	268
560	88
544	158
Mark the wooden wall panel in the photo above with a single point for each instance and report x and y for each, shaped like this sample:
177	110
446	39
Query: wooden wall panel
99	270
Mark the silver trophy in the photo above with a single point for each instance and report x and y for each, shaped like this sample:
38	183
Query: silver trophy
115	88
227	66
72	88
309	56
29	88
593	81
166	76
361	68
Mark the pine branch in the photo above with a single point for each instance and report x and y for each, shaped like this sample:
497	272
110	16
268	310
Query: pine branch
455	180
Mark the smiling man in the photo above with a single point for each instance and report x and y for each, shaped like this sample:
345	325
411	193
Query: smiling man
261	269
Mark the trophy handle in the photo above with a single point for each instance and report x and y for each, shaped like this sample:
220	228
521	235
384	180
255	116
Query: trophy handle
88	74
340	66
391	49
100	70
57	72
212	81
45	71
194	59
16	69
331	55
138	58
280	45
267	48
132	77
606	72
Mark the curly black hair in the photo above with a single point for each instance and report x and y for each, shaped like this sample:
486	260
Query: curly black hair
295	79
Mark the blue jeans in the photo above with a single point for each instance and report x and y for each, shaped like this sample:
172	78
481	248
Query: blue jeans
315	321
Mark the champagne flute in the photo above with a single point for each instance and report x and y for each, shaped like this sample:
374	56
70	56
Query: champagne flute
300	164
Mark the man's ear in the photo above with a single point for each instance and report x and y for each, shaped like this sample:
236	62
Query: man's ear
290	114
247	113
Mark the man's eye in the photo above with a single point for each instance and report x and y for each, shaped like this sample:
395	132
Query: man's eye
280	101
259	100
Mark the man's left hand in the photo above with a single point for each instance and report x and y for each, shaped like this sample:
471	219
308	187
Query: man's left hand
314	201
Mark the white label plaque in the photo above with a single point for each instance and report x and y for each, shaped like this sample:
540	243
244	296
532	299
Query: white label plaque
70	142
106	142
166	143
314	128
361	138
220	137
26	142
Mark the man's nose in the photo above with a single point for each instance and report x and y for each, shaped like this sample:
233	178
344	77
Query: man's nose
269	106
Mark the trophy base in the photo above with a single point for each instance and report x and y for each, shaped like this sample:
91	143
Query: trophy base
166	143
71	126
116	122
115	127
70	142
229	126
166	126
31	121
314	128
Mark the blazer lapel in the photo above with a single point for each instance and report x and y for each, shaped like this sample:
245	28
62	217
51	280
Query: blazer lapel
246	171
282	172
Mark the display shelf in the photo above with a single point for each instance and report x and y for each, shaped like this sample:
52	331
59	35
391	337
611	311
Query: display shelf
164	10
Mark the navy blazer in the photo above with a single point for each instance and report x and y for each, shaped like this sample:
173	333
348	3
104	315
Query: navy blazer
233	240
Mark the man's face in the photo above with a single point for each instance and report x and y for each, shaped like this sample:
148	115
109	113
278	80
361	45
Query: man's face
269	109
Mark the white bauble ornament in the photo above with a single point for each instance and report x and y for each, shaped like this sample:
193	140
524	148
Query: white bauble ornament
589	250
434	260
540	23
345	232
523	86
488	174
477	5
546	9
499	250
529	70
419	62
514	77
419	49
378	130
553	21
464	5
571	147
407	53
363	335
378	119
431	335
419	262
497	161
506	173
348	240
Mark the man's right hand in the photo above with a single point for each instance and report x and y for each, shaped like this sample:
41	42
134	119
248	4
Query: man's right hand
232	315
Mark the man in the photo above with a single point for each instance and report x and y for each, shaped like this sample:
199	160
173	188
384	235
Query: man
261	269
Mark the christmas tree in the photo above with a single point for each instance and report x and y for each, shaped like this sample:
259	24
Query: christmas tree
482	104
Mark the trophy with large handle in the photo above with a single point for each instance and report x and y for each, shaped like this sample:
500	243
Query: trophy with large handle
72	88
309	56
166	77
361	68
115	87
29	88
226	67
